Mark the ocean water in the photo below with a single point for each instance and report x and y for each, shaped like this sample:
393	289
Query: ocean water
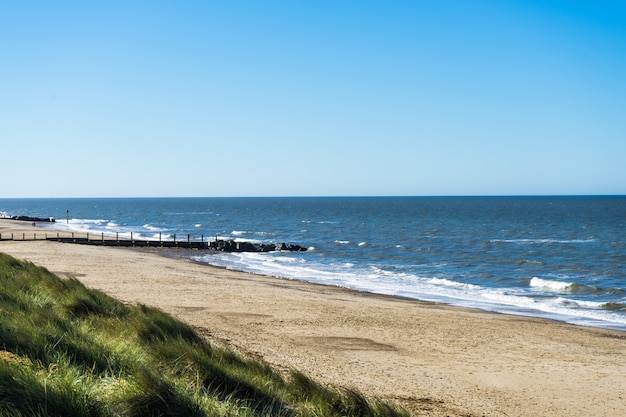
562	258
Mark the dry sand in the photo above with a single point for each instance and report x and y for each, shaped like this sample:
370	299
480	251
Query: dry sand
434	359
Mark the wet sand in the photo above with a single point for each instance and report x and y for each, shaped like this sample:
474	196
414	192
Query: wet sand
434	359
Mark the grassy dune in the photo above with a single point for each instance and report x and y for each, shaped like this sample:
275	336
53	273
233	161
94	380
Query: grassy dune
66	350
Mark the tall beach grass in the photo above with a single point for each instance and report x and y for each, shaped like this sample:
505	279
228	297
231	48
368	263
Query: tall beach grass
66	350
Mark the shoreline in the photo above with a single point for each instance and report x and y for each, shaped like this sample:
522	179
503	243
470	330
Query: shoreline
522	312
585	318
432	358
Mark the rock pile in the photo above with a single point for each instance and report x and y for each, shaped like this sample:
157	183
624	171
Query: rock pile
234	246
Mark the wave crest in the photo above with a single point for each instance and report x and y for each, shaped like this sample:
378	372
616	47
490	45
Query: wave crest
548	284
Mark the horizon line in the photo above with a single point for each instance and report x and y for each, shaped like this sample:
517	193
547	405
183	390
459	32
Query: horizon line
321	196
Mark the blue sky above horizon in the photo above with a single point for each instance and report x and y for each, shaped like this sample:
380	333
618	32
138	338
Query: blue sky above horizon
312	98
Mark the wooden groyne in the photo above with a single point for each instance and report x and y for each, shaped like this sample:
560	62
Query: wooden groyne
100	239
107	240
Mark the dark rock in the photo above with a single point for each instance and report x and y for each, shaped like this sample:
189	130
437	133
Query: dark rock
246	247
296	248
268	248
225	245
291	248
33	219
232	246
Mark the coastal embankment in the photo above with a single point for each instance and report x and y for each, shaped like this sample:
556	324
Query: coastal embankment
433	359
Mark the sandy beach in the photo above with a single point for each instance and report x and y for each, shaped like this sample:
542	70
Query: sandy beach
433	359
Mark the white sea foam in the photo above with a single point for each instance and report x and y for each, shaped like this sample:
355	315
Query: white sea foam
254	241
378	271
551	285
152	228
110	228
342	242
89	221
81	225
449	283
363	244
580	303
380	280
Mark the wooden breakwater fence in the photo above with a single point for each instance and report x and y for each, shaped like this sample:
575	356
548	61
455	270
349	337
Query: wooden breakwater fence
102	239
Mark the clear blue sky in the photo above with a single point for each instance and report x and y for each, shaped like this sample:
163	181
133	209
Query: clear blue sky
273	98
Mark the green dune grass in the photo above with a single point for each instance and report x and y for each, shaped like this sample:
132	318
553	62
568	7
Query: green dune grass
66	350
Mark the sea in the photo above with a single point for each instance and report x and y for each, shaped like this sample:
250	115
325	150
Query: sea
561	258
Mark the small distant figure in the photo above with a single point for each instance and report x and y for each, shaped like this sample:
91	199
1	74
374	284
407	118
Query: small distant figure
33	224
